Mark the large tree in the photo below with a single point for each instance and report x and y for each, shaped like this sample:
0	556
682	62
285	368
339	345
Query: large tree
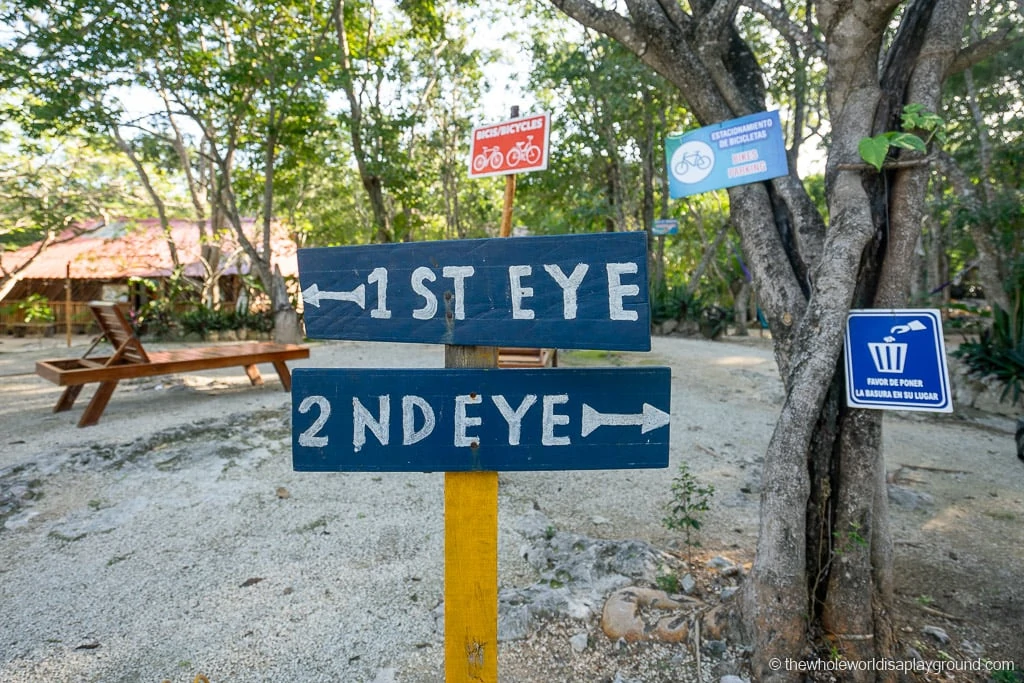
52	190
824	555
239	83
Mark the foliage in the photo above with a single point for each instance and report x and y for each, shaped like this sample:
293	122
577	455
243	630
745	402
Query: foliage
999	351
196	320
260	321
1007	676
874	150
669	583
35	309
690	501
158	316
670	302
202	319
48	184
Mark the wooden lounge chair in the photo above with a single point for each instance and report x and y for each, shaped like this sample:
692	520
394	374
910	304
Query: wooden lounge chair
527	358
130	360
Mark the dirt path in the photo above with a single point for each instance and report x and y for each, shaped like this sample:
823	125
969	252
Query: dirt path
174	538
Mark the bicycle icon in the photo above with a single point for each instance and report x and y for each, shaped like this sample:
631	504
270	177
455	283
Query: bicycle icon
524	151
491	156
692	162
694	159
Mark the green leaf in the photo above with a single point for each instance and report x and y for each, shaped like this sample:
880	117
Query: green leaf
874	150
907	141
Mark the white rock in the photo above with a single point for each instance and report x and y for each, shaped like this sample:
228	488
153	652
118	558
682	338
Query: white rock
385	676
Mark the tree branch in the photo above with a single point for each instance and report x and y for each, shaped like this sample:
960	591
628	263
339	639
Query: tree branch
712	26
787	28
983	49
605	21
675	14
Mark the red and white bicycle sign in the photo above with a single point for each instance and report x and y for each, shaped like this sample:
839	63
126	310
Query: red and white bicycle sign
513	146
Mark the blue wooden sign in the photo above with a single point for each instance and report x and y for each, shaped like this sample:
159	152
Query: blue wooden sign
360	420
736	152
896	360
567	291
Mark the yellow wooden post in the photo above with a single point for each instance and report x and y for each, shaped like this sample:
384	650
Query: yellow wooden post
471	557
471	536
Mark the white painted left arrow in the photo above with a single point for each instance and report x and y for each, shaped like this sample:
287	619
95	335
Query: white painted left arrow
651	418
313	296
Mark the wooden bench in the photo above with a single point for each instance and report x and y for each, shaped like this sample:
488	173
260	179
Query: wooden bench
130	360
527	358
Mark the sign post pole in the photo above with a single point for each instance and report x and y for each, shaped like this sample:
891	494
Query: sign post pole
470	556
471	534
67	303
510	195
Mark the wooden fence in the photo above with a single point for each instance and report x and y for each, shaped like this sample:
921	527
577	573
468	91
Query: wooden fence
12	320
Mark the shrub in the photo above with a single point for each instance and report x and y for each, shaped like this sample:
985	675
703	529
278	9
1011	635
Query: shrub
999	352
36	309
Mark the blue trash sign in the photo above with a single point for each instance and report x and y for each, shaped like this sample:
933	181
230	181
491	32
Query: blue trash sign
896	360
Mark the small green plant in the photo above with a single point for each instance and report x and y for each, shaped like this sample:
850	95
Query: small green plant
1007	676
690	501
874	150
669	583
845	541
36	309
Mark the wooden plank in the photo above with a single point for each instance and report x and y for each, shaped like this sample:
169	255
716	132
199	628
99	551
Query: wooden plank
253	373
283	374
97	404
526	358
172	362
68	398
74	373
118	331
562	291
465	419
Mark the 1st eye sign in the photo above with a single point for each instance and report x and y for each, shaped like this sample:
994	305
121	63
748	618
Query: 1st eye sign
566	291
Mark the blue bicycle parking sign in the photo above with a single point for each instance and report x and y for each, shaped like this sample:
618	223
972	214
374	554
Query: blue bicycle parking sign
736	152
896	360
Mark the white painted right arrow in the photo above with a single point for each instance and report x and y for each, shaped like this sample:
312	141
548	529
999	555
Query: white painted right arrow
313	296
651	418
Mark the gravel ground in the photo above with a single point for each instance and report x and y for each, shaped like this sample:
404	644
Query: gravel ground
174	539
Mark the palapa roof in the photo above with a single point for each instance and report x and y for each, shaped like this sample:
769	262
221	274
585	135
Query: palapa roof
137	248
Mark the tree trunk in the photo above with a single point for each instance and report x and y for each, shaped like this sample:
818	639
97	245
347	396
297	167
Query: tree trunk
372	182
287	329
822	573
154	196
741	303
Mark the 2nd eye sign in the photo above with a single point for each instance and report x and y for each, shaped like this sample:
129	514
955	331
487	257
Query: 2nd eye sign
355	420
571	291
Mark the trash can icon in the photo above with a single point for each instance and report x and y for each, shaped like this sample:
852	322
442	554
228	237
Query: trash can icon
889	357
